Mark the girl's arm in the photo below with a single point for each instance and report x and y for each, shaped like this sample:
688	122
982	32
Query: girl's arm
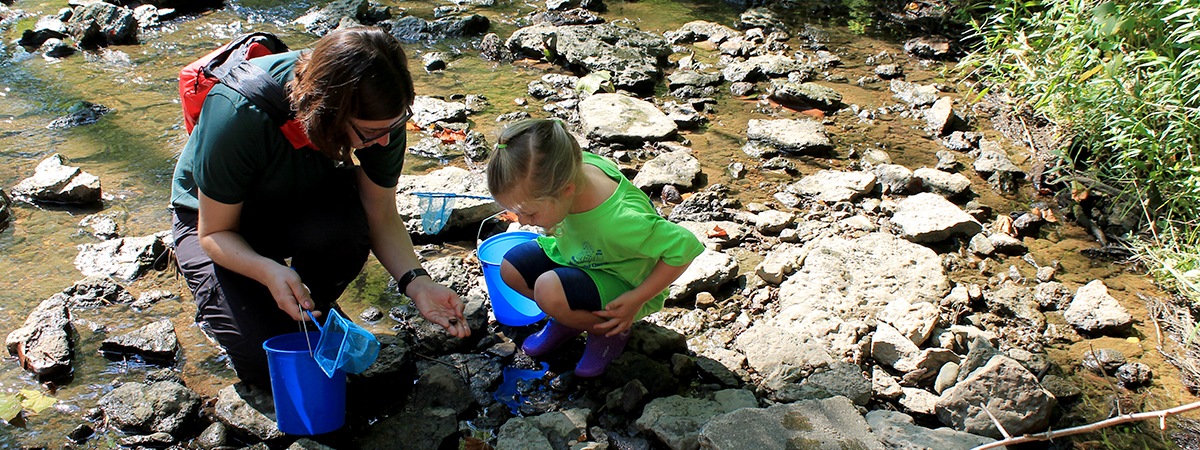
218	234
623	310
393	247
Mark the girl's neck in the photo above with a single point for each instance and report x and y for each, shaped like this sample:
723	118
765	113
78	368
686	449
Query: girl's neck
592	190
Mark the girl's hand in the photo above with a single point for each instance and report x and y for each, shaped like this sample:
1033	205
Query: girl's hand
620	312
289	292
440	305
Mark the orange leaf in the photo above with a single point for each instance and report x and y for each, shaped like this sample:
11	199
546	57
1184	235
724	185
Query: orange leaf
412	126
717	231
1049	216
474	443
687	195
450	136
508	216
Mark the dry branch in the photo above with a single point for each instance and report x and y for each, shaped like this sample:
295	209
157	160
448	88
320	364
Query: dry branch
1048	435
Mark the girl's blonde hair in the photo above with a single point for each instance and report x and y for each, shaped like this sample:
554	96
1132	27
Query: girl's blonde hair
535	149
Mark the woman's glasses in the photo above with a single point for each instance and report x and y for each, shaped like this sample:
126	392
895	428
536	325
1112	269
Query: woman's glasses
391	128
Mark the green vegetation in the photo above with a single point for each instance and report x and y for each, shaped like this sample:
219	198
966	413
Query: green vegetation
1122	80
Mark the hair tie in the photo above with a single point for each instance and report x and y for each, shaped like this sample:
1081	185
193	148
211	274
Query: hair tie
560	122
499	146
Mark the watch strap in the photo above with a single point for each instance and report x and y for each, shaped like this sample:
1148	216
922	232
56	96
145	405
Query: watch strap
408	278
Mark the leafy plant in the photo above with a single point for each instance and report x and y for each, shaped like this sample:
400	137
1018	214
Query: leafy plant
11	405
591	83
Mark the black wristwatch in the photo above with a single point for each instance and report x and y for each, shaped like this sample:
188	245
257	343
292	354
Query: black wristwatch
408	278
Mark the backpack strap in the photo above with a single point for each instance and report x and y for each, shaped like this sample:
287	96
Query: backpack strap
254	83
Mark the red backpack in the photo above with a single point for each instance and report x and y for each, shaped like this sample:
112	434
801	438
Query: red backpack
230	65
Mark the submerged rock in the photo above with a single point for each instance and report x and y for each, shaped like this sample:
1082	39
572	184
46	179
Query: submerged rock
96	290
164	406
125	259
43	344
413	29
54	181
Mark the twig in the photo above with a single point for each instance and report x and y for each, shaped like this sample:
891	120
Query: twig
995	421
1049	435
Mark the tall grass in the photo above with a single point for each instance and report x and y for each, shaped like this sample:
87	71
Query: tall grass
1122	78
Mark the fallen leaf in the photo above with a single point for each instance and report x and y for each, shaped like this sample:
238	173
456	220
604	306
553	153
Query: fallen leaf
687	195
508	216
412	126
450	136
717	231
36	401
10	406
474	443
1049	216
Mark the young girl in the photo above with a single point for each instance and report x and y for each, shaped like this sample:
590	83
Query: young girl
607	257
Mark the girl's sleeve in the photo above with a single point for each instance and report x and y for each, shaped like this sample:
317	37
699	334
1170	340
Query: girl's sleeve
672	243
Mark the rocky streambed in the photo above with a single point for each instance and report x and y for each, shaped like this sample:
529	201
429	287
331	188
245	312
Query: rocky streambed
881	269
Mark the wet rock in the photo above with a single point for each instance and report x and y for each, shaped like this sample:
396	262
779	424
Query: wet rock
427	110
491	48
158	439
465	209
713	203
371	314
1007	390
5	208
47	27
992	158
577	16
829	423
1004	243
308	444
156	343
684	115
781	356
151	298
630	55
417	429
54	181
1017	302
442	387
811	94
212	437
708	271
81	433
434	61
235	411
164	406
562	427
695	78
103	24
1053	295
618	118
96	290
627	398
913	320
43	345
931	218
1103	360
832	186
125	259
889	71
554	87
927	46
147	16
898	431
768	21
413	29
700	30
791	136
914	94
102	226
949	185
940	118
678	168
1094	311
522	433
741	89
336	14
1062	388
676	421
895	179
1037	363
432	338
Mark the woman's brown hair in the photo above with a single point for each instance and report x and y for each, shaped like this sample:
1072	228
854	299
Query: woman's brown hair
352	73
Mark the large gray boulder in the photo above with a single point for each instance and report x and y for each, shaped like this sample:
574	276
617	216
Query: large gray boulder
632	57
427	110
54	181
235	411
447	180
102	24
928	217
709	270
678	168
700	30
156	343
1008	390
619	118
676	421
160	407
898	431
43	345
320	20
832	186
1095	311
125	259
791	136
831	424
413	29
781	356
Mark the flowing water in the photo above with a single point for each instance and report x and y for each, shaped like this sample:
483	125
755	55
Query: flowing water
133	151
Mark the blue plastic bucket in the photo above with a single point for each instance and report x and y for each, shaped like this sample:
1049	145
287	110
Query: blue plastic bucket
511	308
307	401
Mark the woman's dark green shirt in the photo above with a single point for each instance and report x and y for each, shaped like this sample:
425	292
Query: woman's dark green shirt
236	154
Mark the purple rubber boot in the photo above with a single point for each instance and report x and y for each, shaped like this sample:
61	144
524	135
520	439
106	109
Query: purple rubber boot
600	351
552	336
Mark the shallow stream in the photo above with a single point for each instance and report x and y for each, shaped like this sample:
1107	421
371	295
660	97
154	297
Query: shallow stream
133	151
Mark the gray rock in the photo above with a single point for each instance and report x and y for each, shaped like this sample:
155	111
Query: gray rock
708	271
102	24
1017	302
54	181
898	431
413	29
1094	311
427	110
993	159
684	114
832	186
781	261
922	368
931	218
771	222
676	420
628	54
940	118
947	377
1103	360
212	437
415	429
811	94
741	88
787	136
125	259
981	245
158	439
711	204
678	168
687	77
819	424
884	385
781	356
918	401
150	298
441	387
927	46
840	379
46	28
914	94
981	351
913	320
491	48
434	61
96	291
235	411
336	14
1134	375
734	233
618	118
156	343
1062	388
452	180
700	30
1007	390
889	346
894	179
85	112
1004	243
1053	295
561	427
770	21
948	185
522	433
889	71
43	345
626	398
164	407
308	444
946	161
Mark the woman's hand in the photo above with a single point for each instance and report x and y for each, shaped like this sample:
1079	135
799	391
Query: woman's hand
440	305
621	312
289	292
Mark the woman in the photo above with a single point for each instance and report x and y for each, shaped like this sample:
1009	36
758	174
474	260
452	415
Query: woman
247	203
